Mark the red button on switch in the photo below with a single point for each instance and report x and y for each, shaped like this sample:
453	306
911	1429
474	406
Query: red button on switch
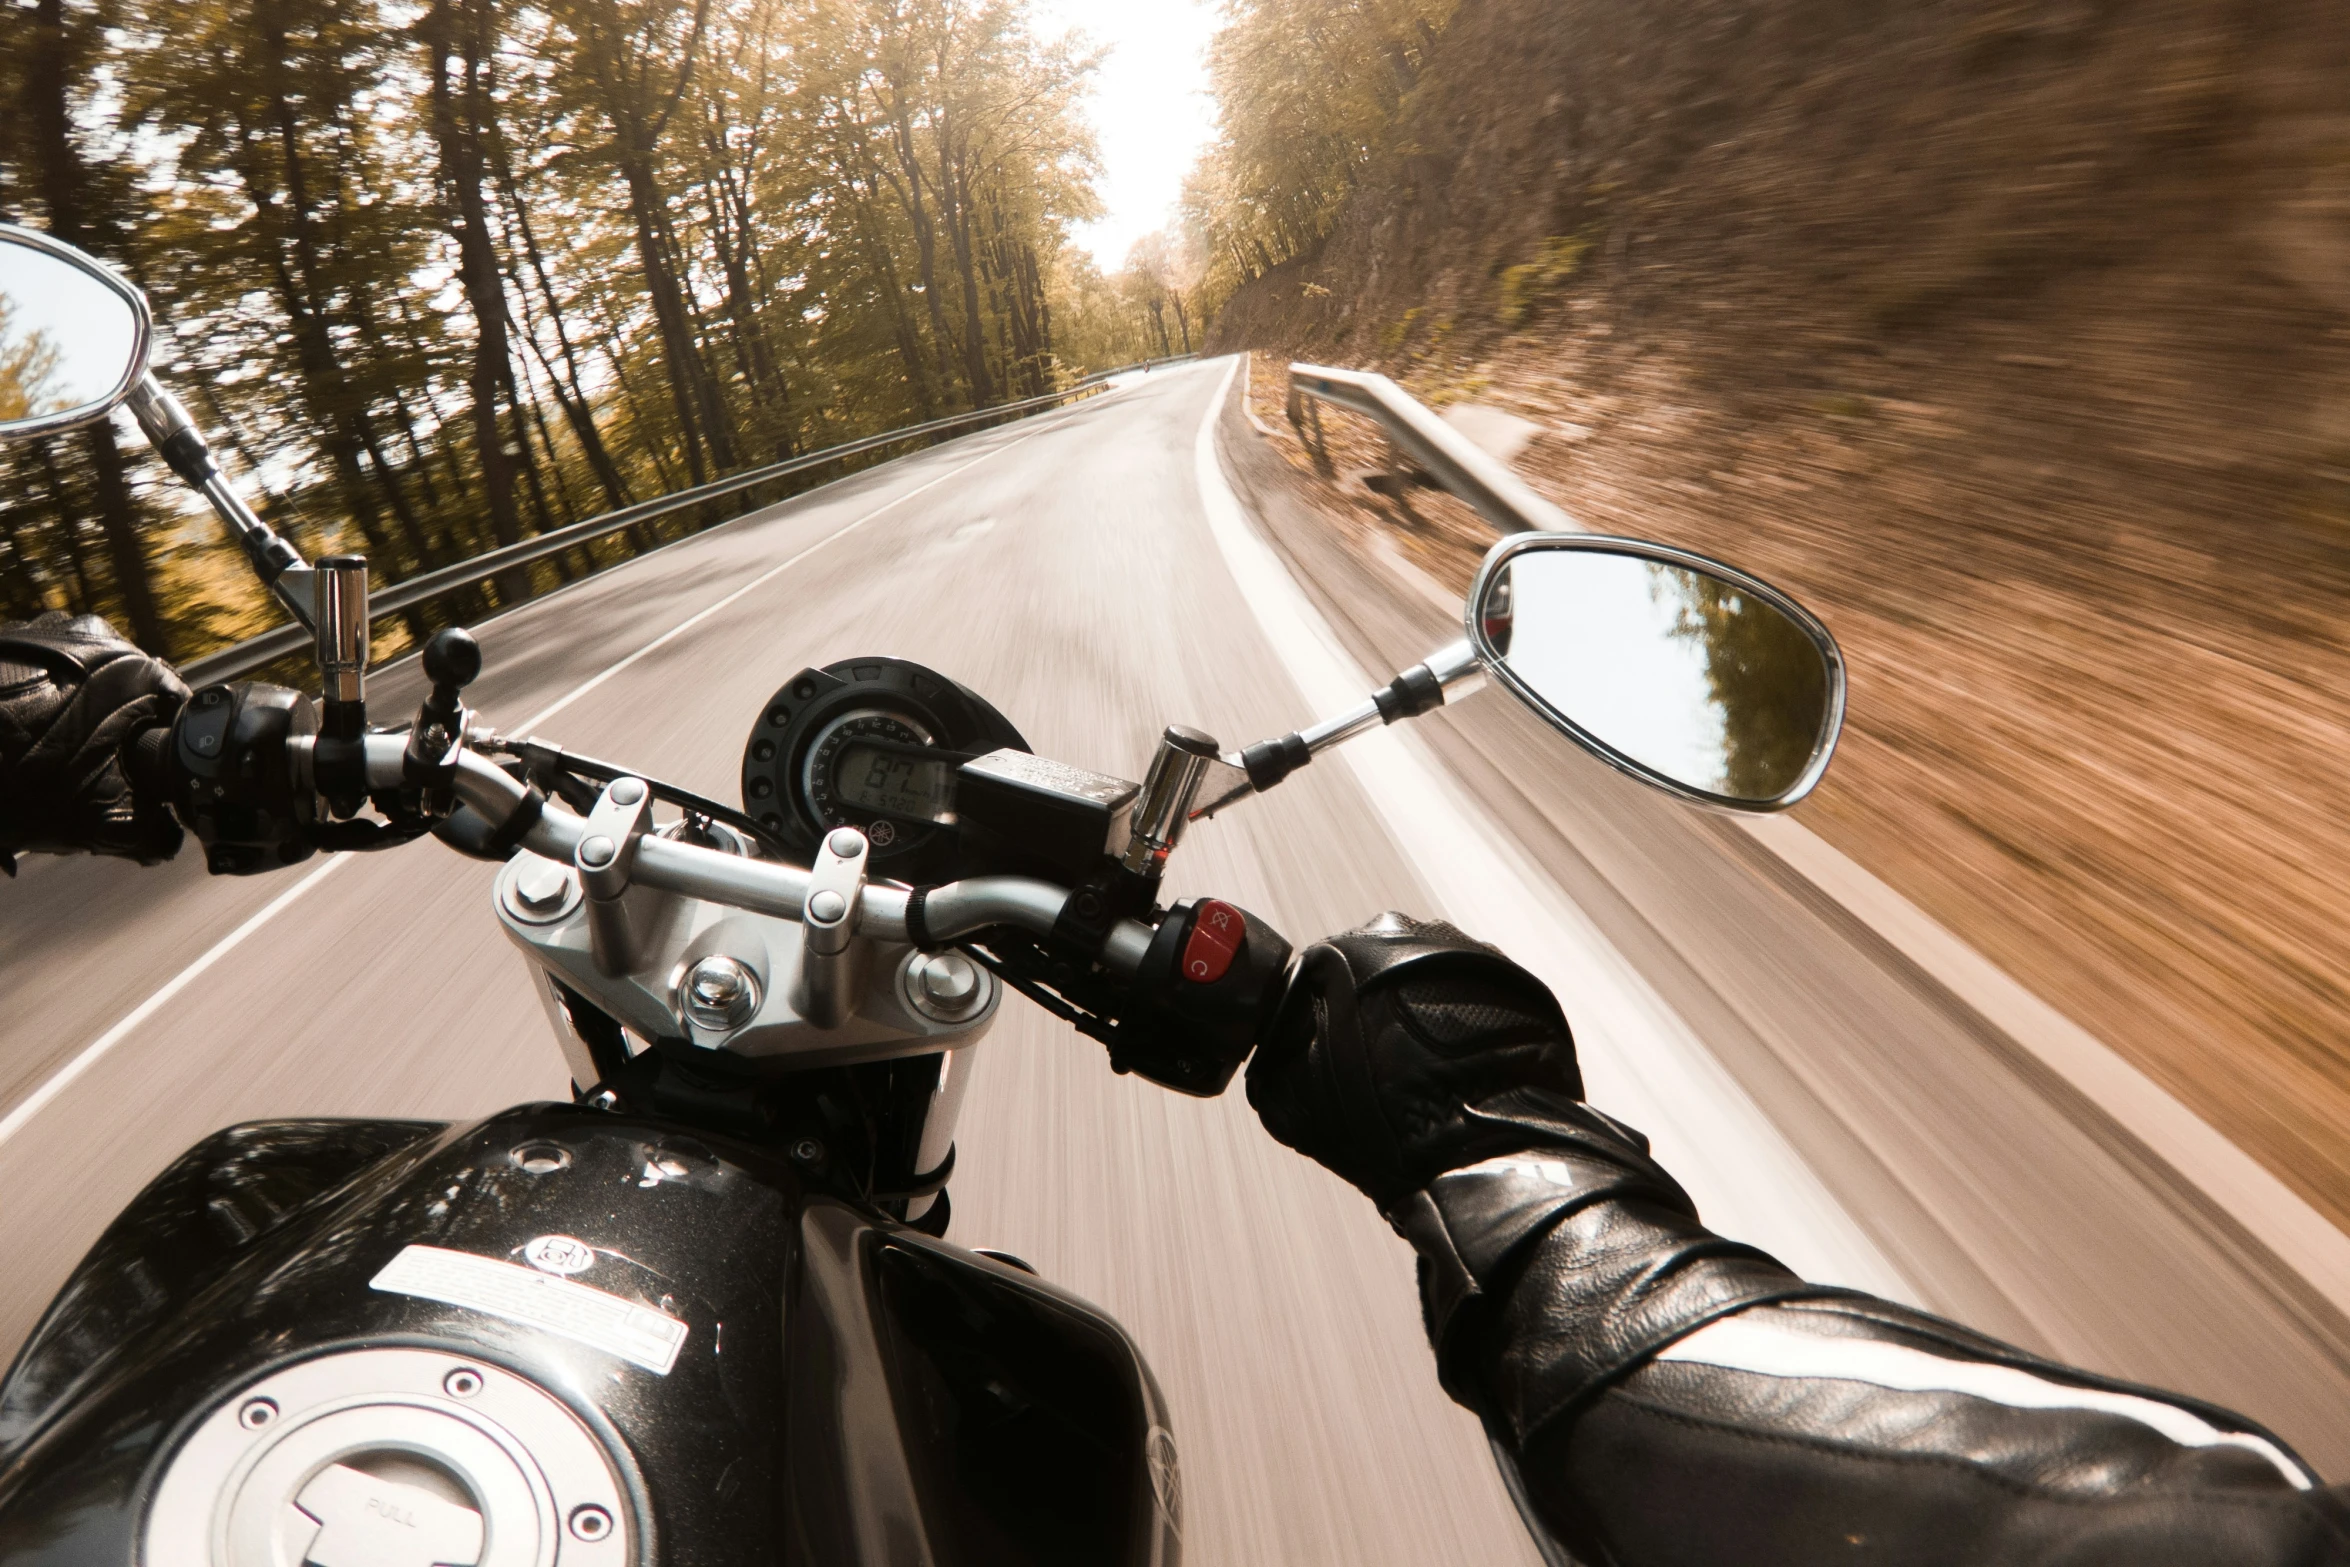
1217	930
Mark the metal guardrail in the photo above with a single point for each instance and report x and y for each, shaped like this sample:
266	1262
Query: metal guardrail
258	652
1446	455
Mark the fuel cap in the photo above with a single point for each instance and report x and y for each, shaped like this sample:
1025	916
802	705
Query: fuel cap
390	1458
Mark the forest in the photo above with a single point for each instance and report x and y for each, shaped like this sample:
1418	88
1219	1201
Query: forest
440	276
1309	93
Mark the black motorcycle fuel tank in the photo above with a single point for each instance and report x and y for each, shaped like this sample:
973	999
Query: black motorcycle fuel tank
561	1335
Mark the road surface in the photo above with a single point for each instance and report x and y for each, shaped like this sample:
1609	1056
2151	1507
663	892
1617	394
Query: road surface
1098	573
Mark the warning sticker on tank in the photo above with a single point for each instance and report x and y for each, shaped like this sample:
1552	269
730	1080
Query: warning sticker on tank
577	1311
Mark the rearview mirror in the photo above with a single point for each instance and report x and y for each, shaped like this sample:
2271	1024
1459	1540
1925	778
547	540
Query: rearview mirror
1686	673
73	336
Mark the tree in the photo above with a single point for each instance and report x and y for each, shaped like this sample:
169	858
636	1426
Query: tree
442	272
1307	92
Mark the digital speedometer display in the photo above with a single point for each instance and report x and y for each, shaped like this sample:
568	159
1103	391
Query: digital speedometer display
876	744
874	779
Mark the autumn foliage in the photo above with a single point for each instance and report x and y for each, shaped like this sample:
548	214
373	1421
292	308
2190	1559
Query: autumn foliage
443	275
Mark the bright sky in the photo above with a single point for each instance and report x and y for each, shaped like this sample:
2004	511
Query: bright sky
1150	103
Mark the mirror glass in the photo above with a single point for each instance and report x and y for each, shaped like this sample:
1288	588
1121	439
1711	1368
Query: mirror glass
68	342
1688	675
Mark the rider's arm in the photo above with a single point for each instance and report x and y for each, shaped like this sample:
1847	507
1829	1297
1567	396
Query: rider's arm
1663	1396
74	696
1647	1427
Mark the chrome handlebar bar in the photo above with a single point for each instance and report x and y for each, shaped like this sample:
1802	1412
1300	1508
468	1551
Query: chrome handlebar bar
769	887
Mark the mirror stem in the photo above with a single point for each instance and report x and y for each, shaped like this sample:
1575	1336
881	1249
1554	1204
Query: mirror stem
182	445
1452	670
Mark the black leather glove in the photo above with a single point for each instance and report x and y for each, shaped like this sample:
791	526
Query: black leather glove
72	694
1389	1038
1440	1078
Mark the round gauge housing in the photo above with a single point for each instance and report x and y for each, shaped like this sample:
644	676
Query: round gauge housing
870	743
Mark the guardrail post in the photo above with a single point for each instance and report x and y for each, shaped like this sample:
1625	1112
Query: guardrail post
1399	484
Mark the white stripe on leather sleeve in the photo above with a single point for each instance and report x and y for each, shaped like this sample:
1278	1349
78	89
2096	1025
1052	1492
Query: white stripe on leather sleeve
1738	1344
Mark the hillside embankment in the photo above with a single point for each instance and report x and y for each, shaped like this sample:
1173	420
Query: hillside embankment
2015	337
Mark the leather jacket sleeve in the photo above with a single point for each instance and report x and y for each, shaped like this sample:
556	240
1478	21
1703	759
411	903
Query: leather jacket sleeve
1662	1397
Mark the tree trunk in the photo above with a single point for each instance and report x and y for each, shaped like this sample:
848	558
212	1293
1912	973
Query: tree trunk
925	242
576	411
955	212
877	256
456	37
323	386
677	342
64	185
305	296
637	123
734	235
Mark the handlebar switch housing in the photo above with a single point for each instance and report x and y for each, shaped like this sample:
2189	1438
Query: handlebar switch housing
1209	983
232	747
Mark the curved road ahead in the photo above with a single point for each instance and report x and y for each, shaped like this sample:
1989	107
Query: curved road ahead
1098	573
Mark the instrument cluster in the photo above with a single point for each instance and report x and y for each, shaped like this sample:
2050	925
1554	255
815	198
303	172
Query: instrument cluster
875	744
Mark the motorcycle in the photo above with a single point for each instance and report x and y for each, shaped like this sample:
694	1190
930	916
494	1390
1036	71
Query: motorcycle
705	1312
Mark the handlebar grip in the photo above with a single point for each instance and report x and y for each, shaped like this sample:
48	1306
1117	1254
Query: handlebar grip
147	762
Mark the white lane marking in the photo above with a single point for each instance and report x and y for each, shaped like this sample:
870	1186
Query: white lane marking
89	1055
1640	1060
38	1100
1739	1343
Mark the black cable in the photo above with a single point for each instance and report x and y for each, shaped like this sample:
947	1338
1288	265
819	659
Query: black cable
556	759
1052	1001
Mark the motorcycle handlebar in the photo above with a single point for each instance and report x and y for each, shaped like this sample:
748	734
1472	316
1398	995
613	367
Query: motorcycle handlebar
1180	1002
771	887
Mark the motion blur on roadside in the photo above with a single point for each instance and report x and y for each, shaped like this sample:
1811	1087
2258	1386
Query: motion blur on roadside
2016	337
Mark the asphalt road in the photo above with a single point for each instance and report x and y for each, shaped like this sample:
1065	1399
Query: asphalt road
1089	572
